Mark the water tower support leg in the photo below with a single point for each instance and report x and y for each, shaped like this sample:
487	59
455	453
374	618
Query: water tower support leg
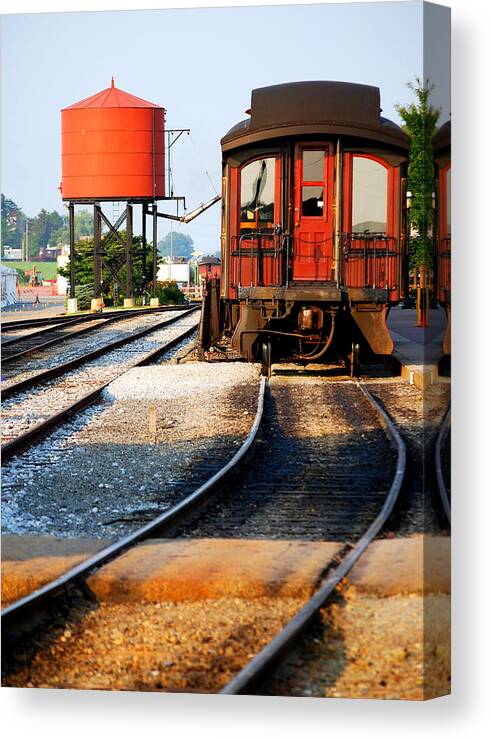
97	256
154	300
71	216
72	301
128	301
144	244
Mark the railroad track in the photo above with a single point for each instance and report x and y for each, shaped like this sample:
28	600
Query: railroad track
31	340
76	390
193	512
24	376
35	323
15	348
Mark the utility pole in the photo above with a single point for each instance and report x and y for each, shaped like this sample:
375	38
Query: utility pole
171	245
25	246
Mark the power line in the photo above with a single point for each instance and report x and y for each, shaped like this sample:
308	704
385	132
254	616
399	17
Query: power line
202	164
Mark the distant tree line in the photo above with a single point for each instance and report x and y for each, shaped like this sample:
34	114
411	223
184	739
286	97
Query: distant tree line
180	245
176	244
48	227
51	227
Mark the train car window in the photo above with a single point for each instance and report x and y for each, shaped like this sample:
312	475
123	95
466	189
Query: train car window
313	165
369	196
312	200
257	193
313	183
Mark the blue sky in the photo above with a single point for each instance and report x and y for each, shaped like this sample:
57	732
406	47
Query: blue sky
201	65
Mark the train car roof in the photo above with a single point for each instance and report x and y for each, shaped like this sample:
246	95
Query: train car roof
299	108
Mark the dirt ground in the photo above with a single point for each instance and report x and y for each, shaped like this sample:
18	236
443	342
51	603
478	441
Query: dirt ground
366	646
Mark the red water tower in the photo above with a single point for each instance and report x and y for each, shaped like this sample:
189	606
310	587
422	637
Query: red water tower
112	148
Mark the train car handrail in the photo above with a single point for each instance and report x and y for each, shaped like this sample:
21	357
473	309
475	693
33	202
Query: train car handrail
254	254
374	249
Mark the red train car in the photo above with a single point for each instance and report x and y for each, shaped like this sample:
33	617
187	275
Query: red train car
209	268
313	223
442	159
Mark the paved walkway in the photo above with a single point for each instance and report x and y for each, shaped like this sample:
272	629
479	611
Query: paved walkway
418	349
34	303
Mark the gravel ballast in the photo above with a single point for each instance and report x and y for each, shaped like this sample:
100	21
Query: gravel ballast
74	347
322	465
366	647
30	407
106	472
193	647
418	416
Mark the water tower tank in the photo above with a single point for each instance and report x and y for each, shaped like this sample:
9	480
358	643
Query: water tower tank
112	147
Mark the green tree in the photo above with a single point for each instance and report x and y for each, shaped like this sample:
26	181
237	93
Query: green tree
169	292
41	229
114	255
420	121
181	245
84	226
13	223
84	223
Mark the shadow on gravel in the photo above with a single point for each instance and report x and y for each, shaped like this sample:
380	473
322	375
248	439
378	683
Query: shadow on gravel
42	638
376	366
318	660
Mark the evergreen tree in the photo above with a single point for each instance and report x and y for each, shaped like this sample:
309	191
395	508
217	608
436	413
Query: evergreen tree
114	256
420	121
13	223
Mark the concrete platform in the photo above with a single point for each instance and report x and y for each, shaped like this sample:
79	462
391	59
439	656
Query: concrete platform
418	350
25	311
196	570
171	570
31	561
193	570
409	565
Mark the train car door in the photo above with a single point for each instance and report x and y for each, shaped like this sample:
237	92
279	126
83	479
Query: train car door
313	229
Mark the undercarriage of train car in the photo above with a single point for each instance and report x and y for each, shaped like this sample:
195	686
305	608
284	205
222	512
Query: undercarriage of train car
307	331
322	324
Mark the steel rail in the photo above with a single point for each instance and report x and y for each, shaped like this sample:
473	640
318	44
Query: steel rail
58	370
48	323
21	613
6	358
267	659
441	484
32	323
55	340
36	332
32	435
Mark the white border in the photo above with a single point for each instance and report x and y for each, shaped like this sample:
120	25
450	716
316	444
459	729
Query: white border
56	714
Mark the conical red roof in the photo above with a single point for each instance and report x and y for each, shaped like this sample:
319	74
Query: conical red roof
113	97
